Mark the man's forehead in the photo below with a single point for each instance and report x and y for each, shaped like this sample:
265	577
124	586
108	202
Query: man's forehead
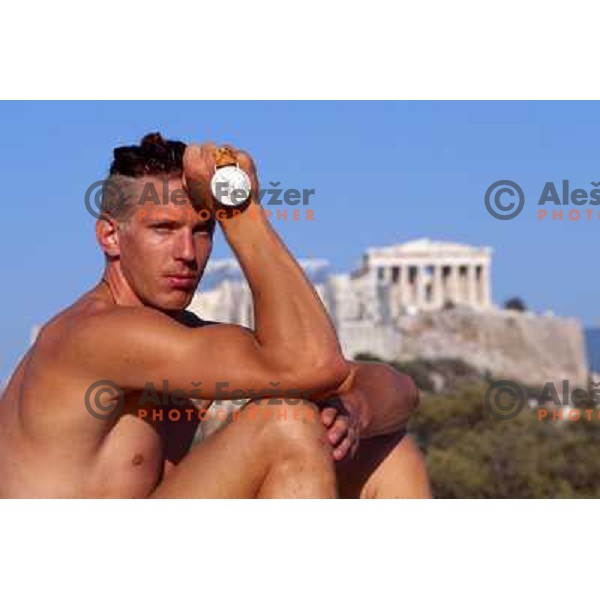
180	214
161	198
162	188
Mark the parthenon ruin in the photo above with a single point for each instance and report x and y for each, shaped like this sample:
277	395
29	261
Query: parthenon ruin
428	275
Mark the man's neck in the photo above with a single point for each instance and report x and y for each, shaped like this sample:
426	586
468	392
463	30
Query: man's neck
118	288
122	295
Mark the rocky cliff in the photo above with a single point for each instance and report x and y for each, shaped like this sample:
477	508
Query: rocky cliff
507	344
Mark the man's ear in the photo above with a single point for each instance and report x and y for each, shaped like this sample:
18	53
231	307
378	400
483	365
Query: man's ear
107	234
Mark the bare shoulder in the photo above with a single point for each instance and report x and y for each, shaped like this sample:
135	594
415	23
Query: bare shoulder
126	330
111	327
90	328
97	338
120	324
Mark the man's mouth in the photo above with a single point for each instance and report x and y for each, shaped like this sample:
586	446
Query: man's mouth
182	280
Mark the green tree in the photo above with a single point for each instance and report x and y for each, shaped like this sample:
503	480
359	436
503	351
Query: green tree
515	303
472	454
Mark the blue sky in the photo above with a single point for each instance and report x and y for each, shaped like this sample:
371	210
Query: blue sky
384	173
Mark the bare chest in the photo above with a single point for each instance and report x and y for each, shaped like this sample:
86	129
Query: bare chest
143	446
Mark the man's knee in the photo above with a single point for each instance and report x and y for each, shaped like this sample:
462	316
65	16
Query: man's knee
292	439
401	474
289	423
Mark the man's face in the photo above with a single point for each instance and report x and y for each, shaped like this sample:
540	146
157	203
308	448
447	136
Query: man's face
164	247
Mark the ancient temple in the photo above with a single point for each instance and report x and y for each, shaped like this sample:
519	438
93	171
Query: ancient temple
428	275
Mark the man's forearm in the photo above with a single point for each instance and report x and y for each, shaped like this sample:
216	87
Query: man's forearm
383	397
290	318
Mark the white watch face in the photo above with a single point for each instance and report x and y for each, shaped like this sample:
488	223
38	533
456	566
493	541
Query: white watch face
228	180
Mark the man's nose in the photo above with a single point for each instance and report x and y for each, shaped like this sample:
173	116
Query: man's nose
185	249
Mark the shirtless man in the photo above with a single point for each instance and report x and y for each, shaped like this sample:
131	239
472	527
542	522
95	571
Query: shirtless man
132	329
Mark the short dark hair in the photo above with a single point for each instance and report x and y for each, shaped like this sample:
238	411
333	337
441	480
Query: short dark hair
154	156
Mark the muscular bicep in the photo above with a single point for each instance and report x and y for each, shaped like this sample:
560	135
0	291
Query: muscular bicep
137	347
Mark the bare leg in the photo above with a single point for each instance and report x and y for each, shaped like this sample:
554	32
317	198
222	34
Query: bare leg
389	466
264	456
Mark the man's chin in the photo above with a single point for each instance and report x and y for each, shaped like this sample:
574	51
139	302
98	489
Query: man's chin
174	302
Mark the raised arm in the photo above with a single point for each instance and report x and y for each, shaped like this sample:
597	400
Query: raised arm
292	347
137	346
290	320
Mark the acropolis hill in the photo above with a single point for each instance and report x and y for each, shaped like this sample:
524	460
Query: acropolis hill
421	299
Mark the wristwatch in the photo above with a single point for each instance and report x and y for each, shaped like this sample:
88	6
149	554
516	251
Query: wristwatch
230	186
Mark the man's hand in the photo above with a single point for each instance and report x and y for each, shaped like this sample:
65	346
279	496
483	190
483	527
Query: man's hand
343	427
373	400
200	163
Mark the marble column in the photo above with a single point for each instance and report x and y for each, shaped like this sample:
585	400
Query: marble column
472	284
486	299
420	283
404	284
455	283
438	290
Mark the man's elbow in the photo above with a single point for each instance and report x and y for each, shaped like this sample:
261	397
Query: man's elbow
328	373
408	394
